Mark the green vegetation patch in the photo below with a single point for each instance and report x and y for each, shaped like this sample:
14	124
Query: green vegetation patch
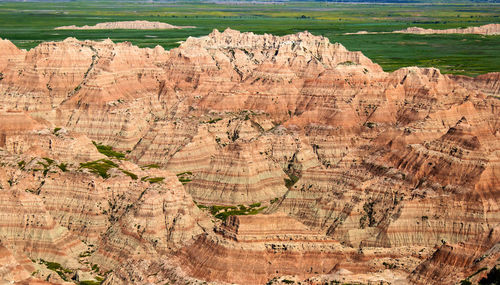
48	160
46	166
153	165
213	121
222	212
370	125
185	177
274	200
132	175
95	268
184	180
63	166
89	282
56	267
289	182
152	179
87	253
348	63
215	209
108	151
99	167
368	219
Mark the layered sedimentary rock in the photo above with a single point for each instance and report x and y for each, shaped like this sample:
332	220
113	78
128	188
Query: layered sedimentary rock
138	271
161	220
376	169
29	227
278	247
469	260
14	123
130	25
266	245
262	227
11	54
65	217
14	268
487	83
160	145
16	136
489	29
236	176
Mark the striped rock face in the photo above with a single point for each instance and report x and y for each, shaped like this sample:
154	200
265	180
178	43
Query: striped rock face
120	163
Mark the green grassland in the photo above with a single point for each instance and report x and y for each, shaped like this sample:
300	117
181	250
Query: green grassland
29	23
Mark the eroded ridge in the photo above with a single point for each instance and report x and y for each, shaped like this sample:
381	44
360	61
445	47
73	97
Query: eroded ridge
126	25
489	30
117	161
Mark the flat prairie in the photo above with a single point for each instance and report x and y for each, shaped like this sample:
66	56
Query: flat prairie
29	23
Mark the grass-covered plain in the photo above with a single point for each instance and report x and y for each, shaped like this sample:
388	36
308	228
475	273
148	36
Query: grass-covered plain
29	23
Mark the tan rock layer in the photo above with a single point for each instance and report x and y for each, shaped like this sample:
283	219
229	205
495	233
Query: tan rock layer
370	152
453	262
130	25
488	29
214	260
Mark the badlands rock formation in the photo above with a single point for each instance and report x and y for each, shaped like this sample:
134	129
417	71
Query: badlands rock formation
489	29
127	25
254	248
127	164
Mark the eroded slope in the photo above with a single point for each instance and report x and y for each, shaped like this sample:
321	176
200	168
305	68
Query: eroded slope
379	168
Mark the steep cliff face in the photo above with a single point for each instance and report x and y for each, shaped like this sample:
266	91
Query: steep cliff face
237	176
469	260
368	166
268	246
10	55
